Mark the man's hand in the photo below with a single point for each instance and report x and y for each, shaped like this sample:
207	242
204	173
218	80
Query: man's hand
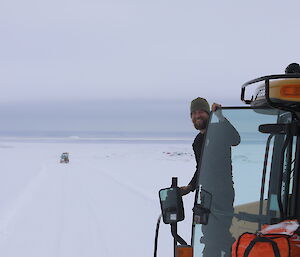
216	108
185	190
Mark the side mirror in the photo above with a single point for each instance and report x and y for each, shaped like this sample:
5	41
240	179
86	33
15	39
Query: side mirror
202	210
171	205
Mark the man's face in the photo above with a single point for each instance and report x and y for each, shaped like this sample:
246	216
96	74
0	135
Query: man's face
200	119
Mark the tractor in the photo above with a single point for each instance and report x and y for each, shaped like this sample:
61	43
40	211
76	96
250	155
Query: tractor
246	186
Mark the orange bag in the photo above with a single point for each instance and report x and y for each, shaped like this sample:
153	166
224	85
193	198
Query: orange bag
252	245
278	240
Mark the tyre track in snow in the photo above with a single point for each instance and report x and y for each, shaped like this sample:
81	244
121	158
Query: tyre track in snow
60	186
79	207
92	206
38	226
67	184
119	214
26	196
62	214
131	188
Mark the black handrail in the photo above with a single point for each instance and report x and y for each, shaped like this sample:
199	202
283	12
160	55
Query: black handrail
279	198
288	176
263	180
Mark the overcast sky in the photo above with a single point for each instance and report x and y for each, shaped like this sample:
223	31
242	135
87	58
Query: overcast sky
106	49
84	50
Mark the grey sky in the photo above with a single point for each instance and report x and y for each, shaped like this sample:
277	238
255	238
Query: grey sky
137	116
123	49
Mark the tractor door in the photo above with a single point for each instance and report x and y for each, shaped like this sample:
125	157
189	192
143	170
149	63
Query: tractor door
243	174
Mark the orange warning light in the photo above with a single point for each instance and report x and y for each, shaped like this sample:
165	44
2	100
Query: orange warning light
290	90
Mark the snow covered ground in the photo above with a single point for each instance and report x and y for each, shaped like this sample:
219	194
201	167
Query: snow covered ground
103	203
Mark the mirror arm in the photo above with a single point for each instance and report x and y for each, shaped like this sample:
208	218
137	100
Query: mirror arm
178	238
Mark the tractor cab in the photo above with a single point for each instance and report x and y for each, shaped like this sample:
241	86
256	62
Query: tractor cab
64	158
250	167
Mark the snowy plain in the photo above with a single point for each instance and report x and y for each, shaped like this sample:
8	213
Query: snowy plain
103	203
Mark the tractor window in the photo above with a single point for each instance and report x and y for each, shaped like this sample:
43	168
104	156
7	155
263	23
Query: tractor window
236	159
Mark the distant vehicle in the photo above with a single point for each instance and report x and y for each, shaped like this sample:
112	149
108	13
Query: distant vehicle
64	158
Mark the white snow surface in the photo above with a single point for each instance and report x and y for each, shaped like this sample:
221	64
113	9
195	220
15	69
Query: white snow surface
103	203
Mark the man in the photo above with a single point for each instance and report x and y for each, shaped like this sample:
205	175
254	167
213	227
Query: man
215	176
199	115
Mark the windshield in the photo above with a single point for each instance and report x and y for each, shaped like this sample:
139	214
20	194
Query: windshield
232	171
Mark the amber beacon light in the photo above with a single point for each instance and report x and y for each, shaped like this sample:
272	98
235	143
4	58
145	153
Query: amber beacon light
290	90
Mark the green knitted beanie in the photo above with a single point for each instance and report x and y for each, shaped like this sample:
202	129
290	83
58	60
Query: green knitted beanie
200	104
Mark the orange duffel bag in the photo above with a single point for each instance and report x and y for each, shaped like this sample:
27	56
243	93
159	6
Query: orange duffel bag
252	245
285	243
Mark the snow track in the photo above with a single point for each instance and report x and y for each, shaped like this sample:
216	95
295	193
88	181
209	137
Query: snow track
103	203
7	218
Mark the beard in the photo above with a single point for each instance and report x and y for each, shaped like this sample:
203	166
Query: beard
200	125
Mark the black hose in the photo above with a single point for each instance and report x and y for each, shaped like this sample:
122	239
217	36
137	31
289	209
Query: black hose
156	235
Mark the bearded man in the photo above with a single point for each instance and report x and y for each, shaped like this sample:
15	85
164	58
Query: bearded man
215	176
199	115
